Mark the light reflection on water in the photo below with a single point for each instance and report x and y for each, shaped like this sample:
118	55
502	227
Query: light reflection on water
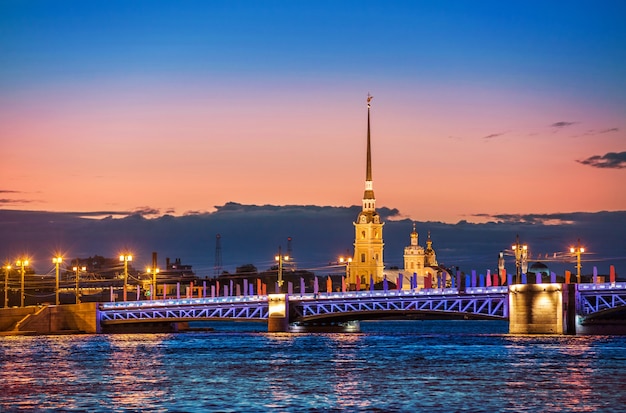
391	366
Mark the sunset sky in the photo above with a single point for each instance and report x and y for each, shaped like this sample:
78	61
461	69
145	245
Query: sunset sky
480	107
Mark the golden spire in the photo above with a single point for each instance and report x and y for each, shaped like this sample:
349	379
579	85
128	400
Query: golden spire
368	172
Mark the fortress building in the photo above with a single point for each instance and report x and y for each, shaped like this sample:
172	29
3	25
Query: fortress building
367	264
420	261
414	256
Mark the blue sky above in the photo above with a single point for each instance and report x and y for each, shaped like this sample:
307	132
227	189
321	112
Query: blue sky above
577	46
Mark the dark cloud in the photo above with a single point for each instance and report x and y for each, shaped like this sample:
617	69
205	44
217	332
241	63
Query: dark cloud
143	211
187	213
562	124
7	201
611	160
259	210
532	219
8	191
252	234
494	135
594	132
609	130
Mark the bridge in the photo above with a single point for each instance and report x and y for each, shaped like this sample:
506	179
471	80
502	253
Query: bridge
531	308
490	302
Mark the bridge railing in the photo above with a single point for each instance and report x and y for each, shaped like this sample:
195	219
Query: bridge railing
169	302
398	293
602	286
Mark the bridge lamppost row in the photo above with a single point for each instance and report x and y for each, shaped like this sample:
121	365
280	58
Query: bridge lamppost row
125	258
577	250
57	261
280	258
154	272
78	269
521	259
22	263
7	268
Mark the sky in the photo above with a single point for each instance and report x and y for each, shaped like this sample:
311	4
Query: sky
481	108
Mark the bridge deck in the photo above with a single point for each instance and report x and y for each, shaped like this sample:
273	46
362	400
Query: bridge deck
486	302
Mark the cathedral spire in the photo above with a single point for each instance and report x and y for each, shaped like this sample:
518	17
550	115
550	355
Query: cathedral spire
414	236
369	201
368	171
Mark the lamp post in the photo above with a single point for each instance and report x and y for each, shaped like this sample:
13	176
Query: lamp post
56	261
577	250
22	263
280	258
78	269
154	271
125	258
7	268
521	257
346	262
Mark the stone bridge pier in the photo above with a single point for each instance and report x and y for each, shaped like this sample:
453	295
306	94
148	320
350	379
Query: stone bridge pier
278	314
542	309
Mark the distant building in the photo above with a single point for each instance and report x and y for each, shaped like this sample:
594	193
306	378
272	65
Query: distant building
419	261
176	271
541	269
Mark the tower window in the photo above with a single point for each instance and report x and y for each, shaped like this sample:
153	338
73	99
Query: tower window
362	257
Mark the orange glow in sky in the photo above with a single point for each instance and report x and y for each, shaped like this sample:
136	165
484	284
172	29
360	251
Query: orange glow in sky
486	128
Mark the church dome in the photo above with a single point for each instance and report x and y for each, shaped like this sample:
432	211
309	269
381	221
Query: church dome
539	268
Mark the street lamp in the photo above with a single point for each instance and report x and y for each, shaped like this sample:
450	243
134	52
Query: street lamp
154	271
501	271
56	261
577	250
347	262
125	258
22	263
78	269
7	268
521	259
280	258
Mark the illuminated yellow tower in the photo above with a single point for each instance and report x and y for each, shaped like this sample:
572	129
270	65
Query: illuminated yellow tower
430	258
367	263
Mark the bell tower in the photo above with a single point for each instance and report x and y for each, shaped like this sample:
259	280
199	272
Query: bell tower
367	264
414	256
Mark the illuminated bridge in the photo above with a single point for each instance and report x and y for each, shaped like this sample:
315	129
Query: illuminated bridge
540	302
488	302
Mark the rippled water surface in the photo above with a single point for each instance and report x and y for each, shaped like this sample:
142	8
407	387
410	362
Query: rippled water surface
437	366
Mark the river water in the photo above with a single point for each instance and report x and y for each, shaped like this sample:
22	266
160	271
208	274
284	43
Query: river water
404	366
